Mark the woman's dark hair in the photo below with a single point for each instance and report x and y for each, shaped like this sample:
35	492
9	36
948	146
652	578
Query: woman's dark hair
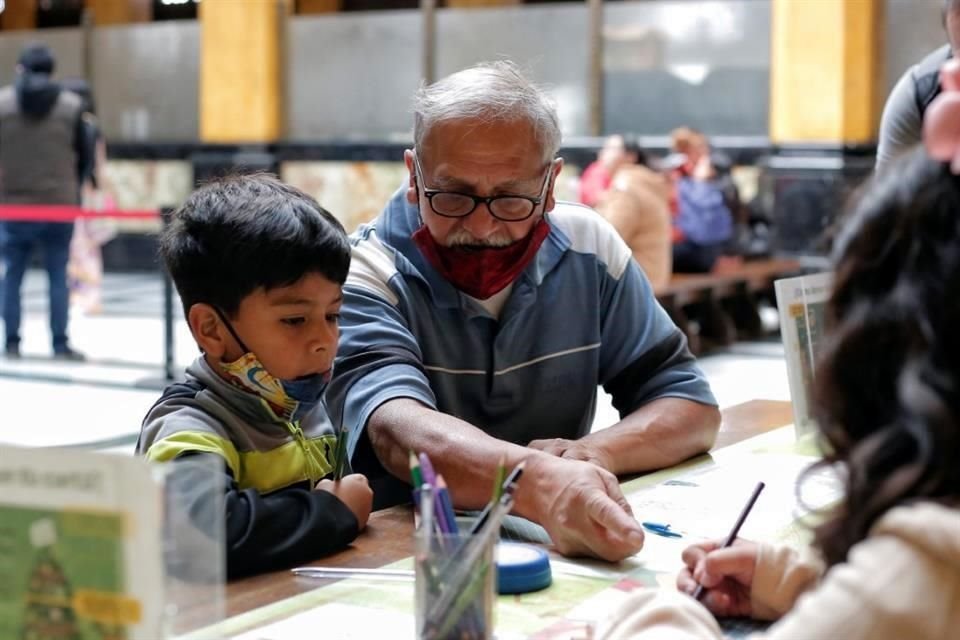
887	397
238	234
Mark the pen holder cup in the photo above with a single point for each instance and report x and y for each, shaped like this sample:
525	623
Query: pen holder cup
455	586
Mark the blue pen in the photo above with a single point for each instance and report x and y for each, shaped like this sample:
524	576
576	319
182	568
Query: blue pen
661	529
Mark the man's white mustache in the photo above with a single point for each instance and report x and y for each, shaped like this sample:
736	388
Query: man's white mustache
462	237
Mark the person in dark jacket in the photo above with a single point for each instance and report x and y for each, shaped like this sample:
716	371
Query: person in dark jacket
43	154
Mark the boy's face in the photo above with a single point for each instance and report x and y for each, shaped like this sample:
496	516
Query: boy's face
293	330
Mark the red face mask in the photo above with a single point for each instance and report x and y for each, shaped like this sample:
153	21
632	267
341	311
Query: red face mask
481	272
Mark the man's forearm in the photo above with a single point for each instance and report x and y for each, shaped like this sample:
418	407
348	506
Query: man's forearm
657	435
466	456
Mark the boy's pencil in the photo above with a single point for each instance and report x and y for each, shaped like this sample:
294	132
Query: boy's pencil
339	465
736	529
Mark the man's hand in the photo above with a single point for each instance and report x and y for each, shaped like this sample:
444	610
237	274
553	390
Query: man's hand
573	450
582	508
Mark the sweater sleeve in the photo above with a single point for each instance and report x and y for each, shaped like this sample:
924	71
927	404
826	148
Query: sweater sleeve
263	532
659	613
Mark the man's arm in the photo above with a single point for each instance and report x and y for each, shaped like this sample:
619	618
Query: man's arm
580	505
657	435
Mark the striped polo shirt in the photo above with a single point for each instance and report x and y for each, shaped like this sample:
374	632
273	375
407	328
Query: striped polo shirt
581	314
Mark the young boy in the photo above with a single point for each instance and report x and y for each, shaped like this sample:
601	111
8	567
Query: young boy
259	268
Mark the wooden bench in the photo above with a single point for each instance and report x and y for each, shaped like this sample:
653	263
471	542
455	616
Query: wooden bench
715	309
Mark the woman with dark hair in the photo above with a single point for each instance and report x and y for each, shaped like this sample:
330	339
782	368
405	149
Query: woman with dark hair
886	560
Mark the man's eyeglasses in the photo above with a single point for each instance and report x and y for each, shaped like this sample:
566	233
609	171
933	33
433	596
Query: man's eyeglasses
510	208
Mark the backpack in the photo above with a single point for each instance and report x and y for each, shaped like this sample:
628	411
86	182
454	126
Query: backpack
702	215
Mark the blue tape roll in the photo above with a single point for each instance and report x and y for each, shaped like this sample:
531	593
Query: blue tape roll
522	568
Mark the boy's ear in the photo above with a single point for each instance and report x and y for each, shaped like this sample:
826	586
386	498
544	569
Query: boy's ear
207	330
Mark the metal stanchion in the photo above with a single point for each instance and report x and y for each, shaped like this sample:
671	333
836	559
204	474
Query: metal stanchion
168	364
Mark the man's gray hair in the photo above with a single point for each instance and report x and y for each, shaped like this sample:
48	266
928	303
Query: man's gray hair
489	92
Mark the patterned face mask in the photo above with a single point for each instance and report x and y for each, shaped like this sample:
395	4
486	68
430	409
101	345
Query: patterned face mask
288	400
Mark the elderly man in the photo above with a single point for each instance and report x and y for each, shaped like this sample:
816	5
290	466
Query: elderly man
480	315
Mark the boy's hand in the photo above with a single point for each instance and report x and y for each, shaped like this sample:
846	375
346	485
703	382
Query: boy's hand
726	574
353	491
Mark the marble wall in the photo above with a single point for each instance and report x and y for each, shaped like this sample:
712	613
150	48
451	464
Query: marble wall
145	184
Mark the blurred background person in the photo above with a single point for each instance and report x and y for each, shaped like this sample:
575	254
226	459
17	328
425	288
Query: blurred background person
36	114
703	224
85	266
596	178
637	204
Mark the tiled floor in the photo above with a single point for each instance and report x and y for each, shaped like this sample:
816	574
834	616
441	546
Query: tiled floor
100	403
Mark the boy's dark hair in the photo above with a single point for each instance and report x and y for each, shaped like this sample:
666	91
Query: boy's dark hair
888	381
237	234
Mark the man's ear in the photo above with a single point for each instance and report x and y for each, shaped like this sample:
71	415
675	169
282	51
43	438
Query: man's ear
412	195
208	330
551	198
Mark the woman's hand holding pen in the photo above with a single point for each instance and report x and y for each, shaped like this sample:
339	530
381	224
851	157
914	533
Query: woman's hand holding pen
725	573
355	492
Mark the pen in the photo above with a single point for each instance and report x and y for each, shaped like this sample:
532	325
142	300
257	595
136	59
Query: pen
661	529
736	529
334	573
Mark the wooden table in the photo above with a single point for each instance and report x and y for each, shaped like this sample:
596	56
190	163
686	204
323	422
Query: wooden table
389	533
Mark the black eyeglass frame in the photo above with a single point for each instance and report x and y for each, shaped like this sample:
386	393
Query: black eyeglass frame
487	200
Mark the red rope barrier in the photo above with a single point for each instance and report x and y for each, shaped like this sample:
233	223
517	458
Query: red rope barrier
67	213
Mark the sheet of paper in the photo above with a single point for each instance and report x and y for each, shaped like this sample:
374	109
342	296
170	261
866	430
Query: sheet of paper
705	502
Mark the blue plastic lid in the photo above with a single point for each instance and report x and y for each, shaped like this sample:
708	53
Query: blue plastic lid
522	568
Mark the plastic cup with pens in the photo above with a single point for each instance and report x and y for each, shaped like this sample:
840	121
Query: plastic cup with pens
455	570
